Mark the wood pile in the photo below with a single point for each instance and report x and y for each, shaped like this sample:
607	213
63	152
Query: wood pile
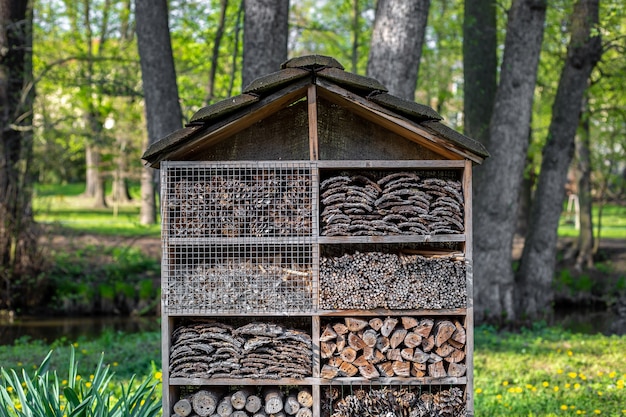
369	280
398	402
255	350
400	203
393	347
247	401
263	204
241	284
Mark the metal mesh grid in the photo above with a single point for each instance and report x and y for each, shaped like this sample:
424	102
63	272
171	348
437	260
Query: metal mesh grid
242	278
238	199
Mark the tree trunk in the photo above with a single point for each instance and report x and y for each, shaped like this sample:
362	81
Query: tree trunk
163	114
355	36
265	30
18	243
216	50
585	236
499	178
480	66
396	46
539	256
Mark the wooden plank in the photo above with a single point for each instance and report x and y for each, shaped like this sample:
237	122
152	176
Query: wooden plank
312	106
242	381
169	392
238	121
315	341
467	198
385	312
396	165
401	126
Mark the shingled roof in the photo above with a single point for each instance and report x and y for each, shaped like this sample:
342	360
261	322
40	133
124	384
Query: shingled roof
283	87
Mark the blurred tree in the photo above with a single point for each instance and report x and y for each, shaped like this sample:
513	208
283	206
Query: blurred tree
265	31
163	114
396	45
18	242
539	257
499	178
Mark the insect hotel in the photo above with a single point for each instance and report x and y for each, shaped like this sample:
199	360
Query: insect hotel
317	253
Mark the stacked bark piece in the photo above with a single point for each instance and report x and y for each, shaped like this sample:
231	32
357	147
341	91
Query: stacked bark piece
400	203
393	347
240	203
255	350
372	280
387	401
247	401
261	285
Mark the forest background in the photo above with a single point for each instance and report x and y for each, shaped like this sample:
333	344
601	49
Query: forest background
86	85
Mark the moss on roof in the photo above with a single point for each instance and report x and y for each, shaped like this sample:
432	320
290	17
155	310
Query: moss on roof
222	108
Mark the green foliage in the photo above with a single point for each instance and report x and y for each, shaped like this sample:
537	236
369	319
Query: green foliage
44	394
613	223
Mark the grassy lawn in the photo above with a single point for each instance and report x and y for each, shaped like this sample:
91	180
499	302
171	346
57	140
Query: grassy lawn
539	372
64	206
613	223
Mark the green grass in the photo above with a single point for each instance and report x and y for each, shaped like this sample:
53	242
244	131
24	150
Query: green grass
613	223
63	205
549	372
544	371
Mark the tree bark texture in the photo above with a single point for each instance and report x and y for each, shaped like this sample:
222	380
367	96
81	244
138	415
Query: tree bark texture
163	114
480	65
18	244
396	45
265	30
499	178
539	256
583	171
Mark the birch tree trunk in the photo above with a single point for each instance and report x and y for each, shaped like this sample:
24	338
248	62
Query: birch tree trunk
265	30
499	178
396	46
163	114
585	237
539	256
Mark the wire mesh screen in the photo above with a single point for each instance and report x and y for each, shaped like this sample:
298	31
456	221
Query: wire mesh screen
237	237
238	200
242	278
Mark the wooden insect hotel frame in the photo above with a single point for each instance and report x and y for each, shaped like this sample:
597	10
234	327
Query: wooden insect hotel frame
317	252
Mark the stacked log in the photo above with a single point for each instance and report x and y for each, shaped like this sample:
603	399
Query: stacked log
393	347
260	204
401	203
255	350
258	285
388	401
247	401
369	280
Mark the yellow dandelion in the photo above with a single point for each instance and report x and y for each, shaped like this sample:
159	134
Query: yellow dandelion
19	364
479	390
64	382
564	407
9	389
115	364
567	386
505	383
158	375
596	411
576	386
84	351
499	397
91	377
545	384
78	377
572	374
579	412
612	374
529	386
583	377
88	384
600	393
534	389
555	389
559	371
570	353
75	344
600	373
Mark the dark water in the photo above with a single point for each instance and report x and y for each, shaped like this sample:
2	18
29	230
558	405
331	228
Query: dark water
578	320
72	328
